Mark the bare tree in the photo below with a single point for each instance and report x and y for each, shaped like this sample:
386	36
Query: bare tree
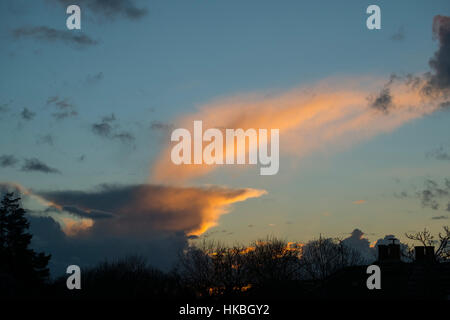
213	269
443	250
424	237
442	245
196	268
272	260
324	256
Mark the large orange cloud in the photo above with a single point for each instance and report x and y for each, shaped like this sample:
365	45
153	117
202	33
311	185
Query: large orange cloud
331	115
137	210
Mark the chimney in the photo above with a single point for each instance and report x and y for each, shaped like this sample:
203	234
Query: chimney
389	252
424	254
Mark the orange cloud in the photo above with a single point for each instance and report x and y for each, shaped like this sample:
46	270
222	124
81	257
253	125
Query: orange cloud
134	210
141	209
332	115
72	226
196	209
359	202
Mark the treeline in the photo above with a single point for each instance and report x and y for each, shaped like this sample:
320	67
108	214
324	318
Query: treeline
211	271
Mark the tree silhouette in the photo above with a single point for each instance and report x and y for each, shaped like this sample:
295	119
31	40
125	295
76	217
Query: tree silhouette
427	239
212	268
17	260
325	256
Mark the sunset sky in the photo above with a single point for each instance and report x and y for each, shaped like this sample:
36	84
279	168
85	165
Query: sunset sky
86	118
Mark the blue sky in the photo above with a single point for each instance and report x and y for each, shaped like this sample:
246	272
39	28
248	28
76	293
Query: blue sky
183	54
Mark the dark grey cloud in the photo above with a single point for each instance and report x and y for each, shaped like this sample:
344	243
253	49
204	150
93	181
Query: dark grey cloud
35	165
440	218
433	193
401	195
139	209
158	125
435	83
64	109
125	137
358	242
440	62
46	139
109	128
399	35
133	219
102	129
161	249
64	114
94	78
27	114
45	33
439	154
383	101
110	9
8	160
92	214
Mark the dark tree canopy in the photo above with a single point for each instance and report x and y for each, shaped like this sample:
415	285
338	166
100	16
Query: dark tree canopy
17	260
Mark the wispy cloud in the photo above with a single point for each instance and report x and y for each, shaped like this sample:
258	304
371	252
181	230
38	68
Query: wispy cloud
64	109
433	193
440	62
45	33
440	218
439	154
94	78
115	210
109	128
26	114
35	165
45	139
329	116
399	35
110	9
159	125
8	160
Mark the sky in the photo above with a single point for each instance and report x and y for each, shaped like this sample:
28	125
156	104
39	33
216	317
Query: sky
86	117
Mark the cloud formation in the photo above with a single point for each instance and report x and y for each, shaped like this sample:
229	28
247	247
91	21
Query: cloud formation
27	114
110	9
329	116
433	193
94	78
45	33
138	209
158	125
439	154
46	139
383	101
84	227
361	244
8	160
109	128
440	217
36	165
440	62
64	109
399	35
